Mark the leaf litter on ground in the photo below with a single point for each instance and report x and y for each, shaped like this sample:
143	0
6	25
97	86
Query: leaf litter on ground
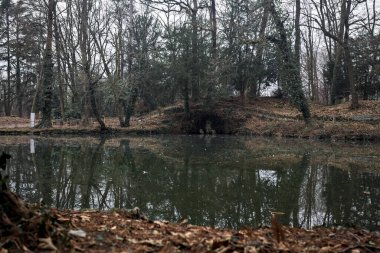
124	231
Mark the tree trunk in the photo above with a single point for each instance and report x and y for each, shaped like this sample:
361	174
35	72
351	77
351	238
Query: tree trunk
95	108
213	27
59	67
119	62
350	70
348	59
210	85
184	81
47	81
19	92
129	107
337	65
289	69
311	63
195	92
254	89
84	75
7	95
297	42
88	84
338	53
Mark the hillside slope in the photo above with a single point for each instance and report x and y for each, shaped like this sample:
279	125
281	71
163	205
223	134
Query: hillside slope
259	117
271	117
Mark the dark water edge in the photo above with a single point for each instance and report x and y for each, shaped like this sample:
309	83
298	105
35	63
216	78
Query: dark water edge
340	133
220	181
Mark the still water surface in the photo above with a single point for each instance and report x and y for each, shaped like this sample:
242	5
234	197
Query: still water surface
216	181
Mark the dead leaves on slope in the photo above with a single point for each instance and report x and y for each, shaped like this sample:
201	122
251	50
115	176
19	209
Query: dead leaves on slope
115	232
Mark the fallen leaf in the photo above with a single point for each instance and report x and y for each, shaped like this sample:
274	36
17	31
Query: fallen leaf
25	249
250	249
62	219
219	244
78	233
282	247
184	222
102	228
155	232
152	242
85	217
223	249
169	248
134	241
119	238
189	234
46	244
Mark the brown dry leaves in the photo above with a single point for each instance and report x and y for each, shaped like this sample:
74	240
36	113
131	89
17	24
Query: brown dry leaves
130	231
115	232
367	107
275	117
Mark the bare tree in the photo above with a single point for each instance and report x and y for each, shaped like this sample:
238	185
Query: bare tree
255	88
19	91
342	38
6	8
88	82
311	42
59	78
129	105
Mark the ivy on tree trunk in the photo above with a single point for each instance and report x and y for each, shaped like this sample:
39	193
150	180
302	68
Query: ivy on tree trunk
129	107
289	67
48	77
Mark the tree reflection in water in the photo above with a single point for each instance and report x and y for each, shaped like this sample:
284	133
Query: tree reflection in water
215	181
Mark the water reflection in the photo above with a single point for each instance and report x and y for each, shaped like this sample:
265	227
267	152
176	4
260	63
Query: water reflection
220	181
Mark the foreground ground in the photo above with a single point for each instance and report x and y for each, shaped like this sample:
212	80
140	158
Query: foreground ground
129	231
259	117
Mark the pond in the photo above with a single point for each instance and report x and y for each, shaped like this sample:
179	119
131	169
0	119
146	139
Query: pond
219	181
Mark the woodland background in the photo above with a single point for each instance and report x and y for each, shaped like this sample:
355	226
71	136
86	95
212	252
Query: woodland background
89	58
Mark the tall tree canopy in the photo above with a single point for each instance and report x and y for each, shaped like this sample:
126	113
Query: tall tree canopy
84	60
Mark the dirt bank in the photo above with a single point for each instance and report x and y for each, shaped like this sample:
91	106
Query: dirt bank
259	117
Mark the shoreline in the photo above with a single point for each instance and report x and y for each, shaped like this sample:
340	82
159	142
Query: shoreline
337	135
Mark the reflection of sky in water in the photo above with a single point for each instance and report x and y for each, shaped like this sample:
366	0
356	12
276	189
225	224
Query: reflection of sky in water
171	178
313	207
268	175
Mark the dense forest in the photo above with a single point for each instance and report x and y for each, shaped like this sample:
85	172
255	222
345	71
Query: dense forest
90	58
